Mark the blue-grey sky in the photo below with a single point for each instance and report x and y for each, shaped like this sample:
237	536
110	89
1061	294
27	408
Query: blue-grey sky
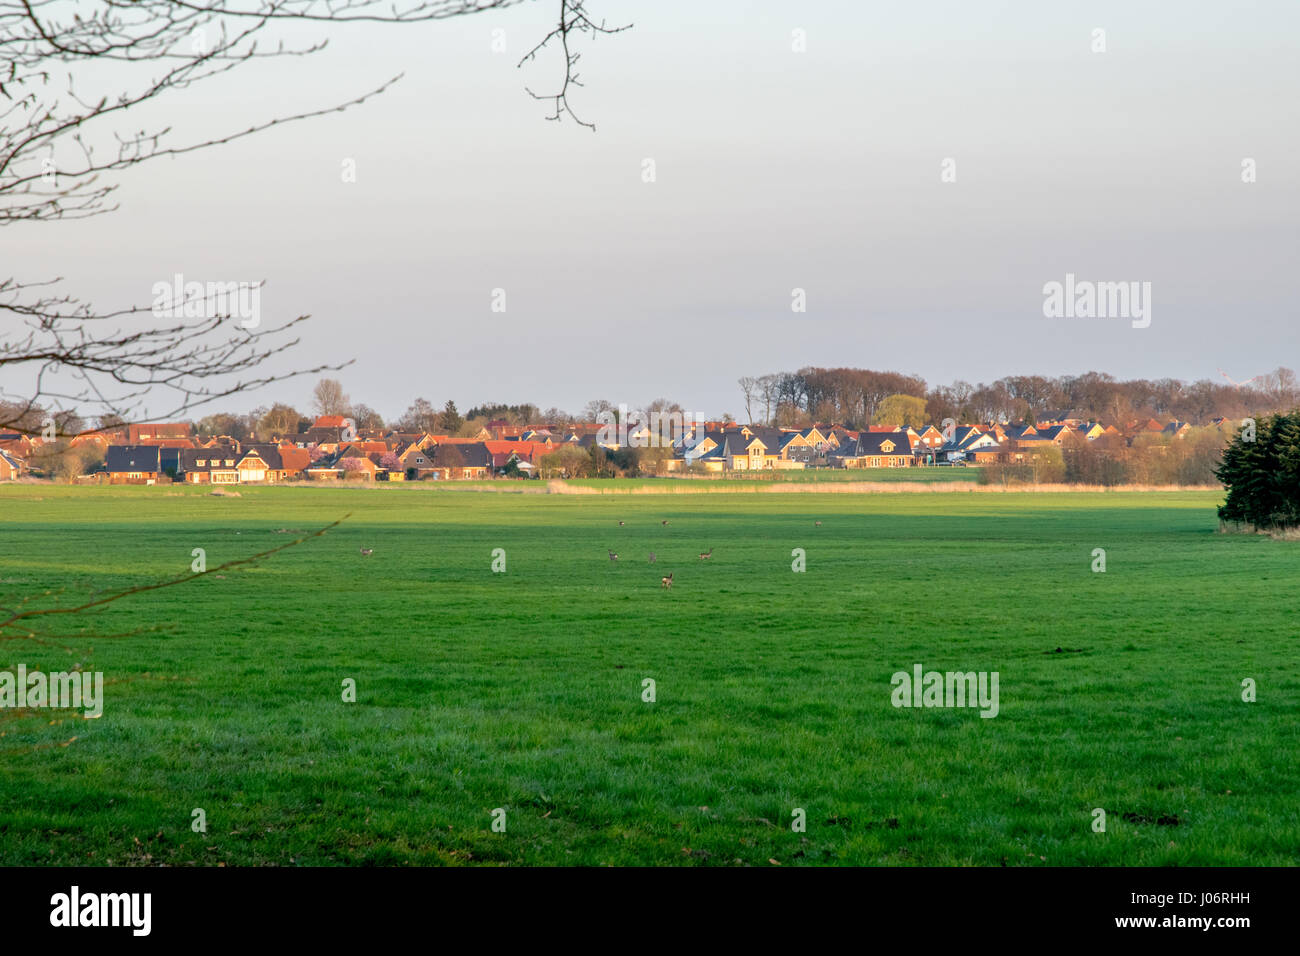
775	170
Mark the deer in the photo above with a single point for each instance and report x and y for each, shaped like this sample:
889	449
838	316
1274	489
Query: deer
620	524
367	552
652	557
817	523
666	582
612	557
664	522
705	555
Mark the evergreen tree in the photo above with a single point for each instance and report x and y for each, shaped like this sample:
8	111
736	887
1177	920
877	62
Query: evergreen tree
450	421
1262	476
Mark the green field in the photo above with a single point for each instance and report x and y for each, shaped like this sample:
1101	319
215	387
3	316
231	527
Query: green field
523	690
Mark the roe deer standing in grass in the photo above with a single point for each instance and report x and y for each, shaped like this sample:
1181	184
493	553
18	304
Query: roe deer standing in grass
705	555
666	582
612	557
664	523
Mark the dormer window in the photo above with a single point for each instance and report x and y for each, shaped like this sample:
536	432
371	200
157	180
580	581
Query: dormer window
201	462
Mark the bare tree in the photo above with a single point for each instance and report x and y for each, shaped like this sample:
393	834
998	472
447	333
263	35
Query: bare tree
767	390
278	420
328	398
62	151
363	416
749	390
420	417
1280	389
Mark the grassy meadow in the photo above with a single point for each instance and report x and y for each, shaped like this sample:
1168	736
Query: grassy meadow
522	690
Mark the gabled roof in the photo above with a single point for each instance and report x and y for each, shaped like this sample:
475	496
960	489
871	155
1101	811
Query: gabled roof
275	456
729	443
213	458
320	436
461	455
1020	430
1055	416
771	438
450	440
876	444
524	450
123	458
1053	432
363	449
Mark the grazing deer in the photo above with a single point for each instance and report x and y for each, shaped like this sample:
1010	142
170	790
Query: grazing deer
666	582
613	557
705	555
664	523
620	524
818	523
652	557
367	552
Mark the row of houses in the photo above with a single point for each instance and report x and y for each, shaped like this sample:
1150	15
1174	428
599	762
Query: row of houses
332	450
396	457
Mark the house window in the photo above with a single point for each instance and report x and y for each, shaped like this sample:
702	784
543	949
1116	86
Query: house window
201	462
875	463
230	462
133	474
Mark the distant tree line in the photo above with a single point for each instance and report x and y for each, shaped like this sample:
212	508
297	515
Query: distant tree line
1152	459
855	397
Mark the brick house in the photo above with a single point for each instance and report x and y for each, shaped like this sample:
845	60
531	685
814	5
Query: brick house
460	461
876	450
11	466
133	464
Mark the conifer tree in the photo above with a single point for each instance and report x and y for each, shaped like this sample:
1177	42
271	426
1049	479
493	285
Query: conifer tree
1261	473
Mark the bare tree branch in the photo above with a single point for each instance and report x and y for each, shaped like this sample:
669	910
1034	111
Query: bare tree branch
573	20
61	153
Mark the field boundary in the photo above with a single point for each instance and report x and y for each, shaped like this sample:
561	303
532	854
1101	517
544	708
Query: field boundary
560	487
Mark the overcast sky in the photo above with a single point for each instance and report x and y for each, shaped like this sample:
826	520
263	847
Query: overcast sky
775	170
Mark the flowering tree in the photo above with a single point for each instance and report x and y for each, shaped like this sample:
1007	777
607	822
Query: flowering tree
390	462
